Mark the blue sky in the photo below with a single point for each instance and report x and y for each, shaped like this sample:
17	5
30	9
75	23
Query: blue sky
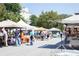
66	8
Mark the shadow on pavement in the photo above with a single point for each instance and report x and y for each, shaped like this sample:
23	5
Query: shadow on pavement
57	45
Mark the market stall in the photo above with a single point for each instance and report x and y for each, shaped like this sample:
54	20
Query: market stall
71	27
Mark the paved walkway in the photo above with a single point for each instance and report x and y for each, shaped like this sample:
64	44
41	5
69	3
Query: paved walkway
38	49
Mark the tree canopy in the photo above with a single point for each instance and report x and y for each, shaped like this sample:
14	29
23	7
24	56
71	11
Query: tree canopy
2	11
48	19
10	11
13	7
34	20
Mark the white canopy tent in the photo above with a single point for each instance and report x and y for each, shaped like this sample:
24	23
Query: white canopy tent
71	20
54	29
34	27
8	23
40	29
21	23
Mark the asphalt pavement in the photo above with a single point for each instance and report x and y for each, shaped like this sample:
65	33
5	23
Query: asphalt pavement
39	48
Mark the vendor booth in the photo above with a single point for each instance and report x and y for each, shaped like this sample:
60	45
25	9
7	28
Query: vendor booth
71	27
9	26
55	32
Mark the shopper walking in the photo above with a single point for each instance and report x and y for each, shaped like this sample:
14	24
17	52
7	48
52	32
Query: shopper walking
17	37
31	37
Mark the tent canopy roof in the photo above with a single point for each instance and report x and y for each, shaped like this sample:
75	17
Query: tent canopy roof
71	20
21	23
54	29
8	23
41	29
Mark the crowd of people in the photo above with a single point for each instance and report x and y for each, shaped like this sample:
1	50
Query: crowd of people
20	37
17	39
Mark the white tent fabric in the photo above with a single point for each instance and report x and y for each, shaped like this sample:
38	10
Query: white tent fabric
21	23
40	29
34	28
8	23
54	29
71	20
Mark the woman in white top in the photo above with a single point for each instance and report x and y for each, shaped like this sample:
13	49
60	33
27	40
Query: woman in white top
5	35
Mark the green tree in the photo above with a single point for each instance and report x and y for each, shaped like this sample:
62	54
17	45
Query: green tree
33	19
62	16
2	11
10	11
13	7
50	19
47	19
12	16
